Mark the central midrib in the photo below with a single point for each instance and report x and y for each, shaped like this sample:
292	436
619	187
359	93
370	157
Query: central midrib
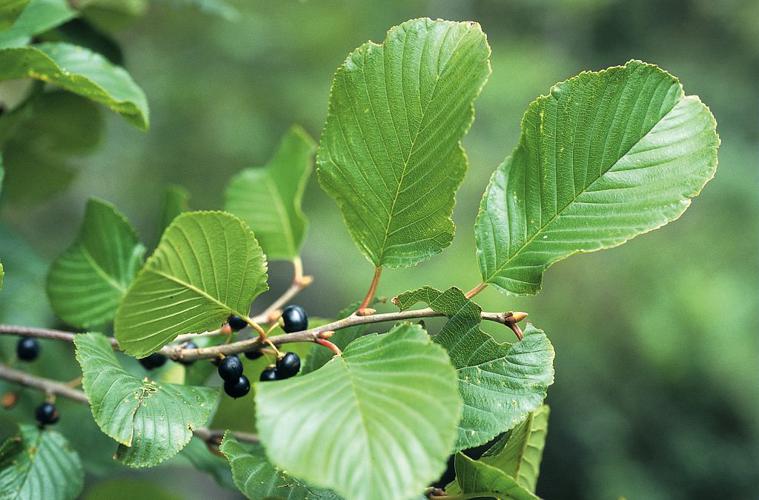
413	144
577	195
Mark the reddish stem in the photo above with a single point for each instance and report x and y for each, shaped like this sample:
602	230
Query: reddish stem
329	345
474	291
363	309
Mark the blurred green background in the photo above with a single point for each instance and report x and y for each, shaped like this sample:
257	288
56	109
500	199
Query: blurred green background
657	368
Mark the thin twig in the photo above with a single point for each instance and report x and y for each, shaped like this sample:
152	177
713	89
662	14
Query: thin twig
53	387
177	352
477	289
272	313
363	308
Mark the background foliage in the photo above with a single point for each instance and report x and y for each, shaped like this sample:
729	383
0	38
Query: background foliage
655	393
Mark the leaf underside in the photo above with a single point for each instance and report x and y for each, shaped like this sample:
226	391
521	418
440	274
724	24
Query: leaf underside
604	157
151	421
390	153
269	198
80	71
41	464
473	476
207	266
500	383
256	478
387	411
87	282
519	454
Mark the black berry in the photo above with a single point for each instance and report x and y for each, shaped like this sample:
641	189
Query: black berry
155	360
269	375
46	413
27	349
294	319
230	368
188	345
238	387
288	365
253	354
236	323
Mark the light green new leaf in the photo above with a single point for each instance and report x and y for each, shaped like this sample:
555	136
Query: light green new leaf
269	198
500	383
39	464
80	71
604	157
37	17
151	421
256	478
519	454
487	481
176	200
207	266
388	409
87	282
390	153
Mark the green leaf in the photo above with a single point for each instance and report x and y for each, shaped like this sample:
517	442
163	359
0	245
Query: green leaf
318	355
38	16
203	459
604	157
46	138
475	477
87	282
151	421
390	153
207	266
43	466
130	488
256	478
500	383
387	409
519	454
80	71
176	201
269	198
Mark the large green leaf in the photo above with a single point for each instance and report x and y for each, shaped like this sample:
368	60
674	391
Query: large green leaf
207	266
269	198
80	71
39	464
258	479
604	157
375	423
87	282
390	153
38	16
519	454
151	421
500	383
486	481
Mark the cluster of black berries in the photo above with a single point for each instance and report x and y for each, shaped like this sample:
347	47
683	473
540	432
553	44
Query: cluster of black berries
236	384
294	319
28	349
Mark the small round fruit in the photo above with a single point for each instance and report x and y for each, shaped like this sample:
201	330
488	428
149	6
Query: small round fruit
230	368
155	360
27	349
237	388
269	375
236	323
254	354
47	413
288	365
188	362
294	319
